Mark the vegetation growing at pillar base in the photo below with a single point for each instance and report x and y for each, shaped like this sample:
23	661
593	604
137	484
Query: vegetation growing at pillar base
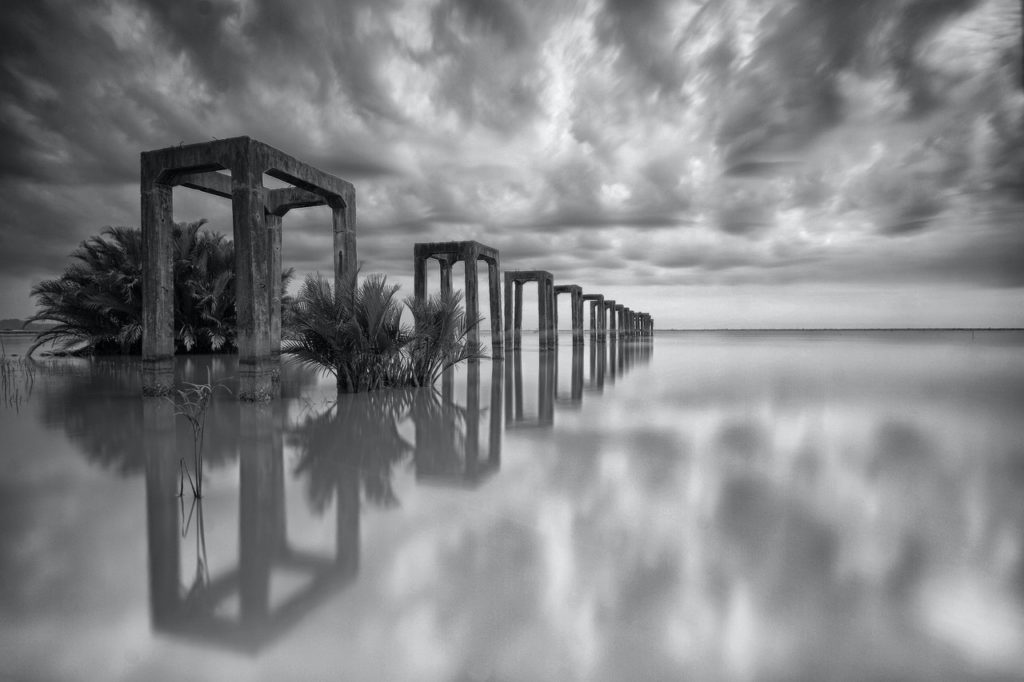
354	331
97	302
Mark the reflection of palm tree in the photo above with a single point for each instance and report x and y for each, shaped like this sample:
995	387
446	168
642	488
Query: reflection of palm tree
356	436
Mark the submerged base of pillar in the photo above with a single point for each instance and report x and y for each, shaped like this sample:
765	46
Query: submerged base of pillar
157	376
255	380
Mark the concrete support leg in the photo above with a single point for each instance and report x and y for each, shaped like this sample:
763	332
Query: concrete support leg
494	291
157	289
472	299
509	327
544	321
345	263
252	296
602	323
446	278
517	313
419	278
274	290
577	317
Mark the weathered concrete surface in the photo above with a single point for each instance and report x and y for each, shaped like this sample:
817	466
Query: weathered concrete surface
469	252
514	279
257	250
576	302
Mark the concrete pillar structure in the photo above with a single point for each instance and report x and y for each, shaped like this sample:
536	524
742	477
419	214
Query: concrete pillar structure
614	328
545	306
598	323
256	213
469	252
576	297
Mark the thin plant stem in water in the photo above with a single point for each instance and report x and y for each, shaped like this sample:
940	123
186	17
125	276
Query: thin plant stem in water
192	402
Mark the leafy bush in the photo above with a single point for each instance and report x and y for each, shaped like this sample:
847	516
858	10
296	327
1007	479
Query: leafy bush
97	302
354	331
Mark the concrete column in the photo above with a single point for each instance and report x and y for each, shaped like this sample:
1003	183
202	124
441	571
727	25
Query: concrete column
545	306
602	323
518	315
472	297
509	325
345	257
157	287
576	299
446	277
419	265
494	292
251	274
274	288
613	325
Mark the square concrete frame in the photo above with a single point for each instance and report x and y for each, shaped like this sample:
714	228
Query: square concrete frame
469	252
598	323
514	306
256	223
575	292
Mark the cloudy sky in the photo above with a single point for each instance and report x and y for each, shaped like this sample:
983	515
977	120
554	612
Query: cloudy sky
734	163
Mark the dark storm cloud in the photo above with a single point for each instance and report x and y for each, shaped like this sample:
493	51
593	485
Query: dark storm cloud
788	91
641	30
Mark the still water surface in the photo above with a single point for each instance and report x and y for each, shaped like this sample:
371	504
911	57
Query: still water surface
706	506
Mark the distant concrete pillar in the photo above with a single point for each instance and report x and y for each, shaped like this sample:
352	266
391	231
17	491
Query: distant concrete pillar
157	284
494	294
469	252
518	313
446	278
274	288
613	325
472	297
598	320
576	306
419	276
545	304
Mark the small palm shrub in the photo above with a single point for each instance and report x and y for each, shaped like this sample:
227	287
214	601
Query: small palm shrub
97	302
354	331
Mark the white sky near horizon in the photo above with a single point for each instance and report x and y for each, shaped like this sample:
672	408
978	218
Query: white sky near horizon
743	163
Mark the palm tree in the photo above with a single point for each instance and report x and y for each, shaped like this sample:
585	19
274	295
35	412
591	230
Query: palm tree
97	302
355	332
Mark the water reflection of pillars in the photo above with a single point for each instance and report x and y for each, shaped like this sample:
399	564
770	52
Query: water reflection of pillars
598	363
162	520
546	367
260	509
576	378
613	359
514	279
202	612
443	452
598	323
576	302
469	252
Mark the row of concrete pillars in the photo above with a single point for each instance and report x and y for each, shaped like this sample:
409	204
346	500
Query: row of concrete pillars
256	228
607	318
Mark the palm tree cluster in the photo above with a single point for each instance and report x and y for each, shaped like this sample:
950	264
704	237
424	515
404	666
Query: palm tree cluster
355	332
97	302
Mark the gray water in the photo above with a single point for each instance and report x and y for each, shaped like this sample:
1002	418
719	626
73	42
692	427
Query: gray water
704	506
